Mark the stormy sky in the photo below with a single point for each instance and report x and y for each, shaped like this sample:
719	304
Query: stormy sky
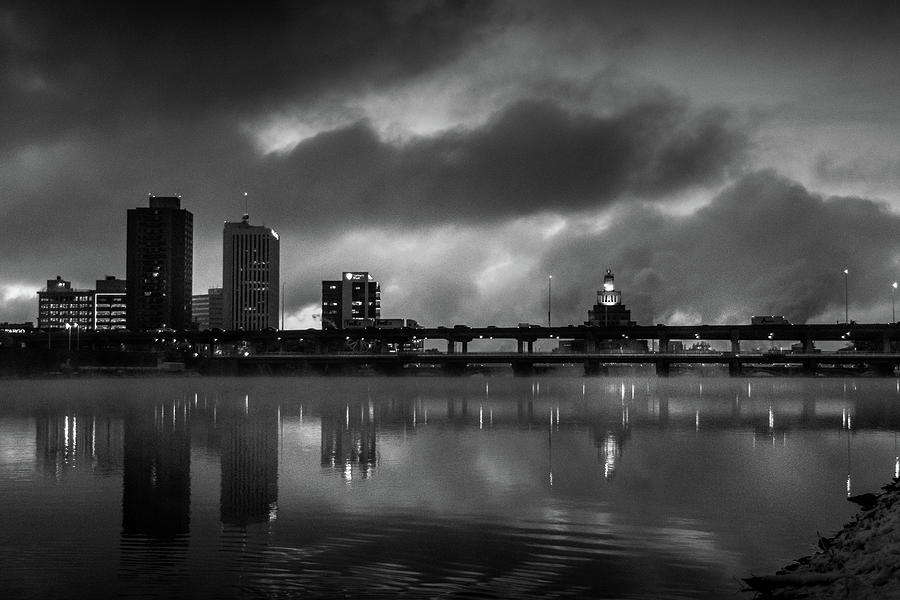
723	159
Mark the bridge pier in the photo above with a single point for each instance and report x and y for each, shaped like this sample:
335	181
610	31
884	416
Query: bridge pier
522	368
453	367
451	347
388	367
663	344
465	346
735	342
530	346
520	346
662	368
808	345
885	369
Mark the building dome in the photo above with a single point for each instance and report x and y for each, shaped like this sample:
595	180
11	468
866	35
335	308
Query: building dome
609	310
609	281
609	295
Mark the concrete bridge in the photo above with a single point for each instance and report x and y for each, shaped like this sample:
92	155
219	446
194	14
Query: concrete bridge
313	348
876	337
525	364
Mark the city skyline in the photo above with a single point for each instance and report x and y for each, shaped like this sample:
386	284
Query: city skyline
722	161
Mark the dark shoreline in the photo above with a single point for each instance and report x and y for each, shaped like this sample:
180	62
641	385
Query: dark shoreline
861	561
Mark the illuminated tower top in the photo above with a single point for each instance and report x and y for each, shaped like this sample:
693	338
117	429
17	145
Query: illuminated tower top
609	295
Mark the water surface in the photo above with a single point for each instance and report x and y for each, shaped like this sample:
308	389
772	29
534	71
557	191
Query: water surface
497	487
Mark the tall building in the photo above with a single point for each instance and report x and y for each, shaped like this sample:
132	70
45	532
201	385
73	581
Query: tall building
159	264
60	304
609	310
250	281
206	310
110	304
352	301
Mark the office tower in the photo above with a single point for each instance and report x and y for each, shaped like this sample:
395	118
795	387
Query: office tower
60	304
206	310
110	303
159	265
352	301
250	279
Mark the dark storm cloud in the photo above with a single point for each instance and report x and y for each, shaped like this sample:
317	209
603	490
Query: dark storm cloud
94	64
531	157
765	245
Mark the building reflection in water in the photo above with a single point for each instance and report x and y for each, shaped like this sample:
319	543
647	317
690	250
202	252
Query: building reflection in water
349	439
74	440
156	483
248	437
610	427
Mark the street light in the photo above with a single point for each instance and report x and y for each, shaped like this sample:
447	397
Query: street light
77	337
893	303
69	330
549	297
846	297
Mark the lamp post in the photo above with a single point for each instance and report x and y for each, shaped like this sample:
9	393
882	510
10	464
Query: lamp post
846	297
77	337
893	303
549	298
69	331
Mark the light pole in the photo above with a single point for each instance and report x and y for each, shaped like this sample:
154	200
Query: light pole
549	298
69	331
893	303
846	297
77	337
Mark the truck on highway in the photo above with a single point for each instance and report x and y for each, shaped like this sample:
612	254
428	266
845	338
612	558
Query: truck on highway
769	320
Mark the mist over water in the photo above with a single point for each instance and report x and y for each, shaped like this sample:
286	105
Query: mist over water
491	487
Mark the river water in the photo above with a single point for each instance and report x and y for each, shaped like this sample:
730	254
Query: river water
425	487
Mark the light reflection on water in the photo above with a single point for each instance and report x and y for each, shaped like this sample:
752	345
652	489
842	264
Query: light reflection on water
420	487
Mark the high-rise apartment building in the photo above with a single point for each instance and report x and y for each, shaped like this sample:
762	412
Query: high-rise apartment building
60	304
250	276
206	310
110	303
352	301
159	265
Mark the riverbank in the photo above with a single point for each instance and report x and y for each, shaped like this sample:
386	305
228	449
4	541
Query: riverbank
862	561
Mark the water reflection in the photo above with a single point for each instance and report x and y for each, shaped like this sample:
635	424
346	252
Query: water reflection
597	488
249	434
156	476
77	440
349	439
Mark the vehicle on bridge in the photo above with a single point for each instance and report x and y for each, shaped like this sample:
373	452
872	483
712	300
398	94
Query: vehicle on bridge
769	320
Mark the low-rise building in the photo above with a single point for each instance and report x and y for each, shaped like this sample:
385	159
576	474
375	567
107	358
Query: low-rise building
352	301
60	304
110	310
207	310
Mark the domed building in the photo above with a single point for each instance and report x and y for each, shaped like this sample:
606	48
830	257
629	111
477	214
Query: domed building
609	310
